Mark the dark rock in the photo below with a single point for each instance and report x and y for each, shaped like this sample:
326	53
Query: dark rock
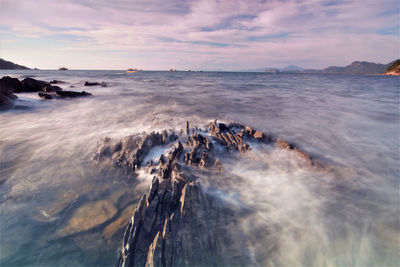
6	98
8	65
187	128
11	84
179	224
46	95
131	151
32	85
72	94
222	127
61	94
51	88
102	84
56	82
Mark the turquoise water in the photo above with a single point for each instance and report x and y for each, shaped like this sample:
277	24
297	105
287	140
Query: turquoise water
348	121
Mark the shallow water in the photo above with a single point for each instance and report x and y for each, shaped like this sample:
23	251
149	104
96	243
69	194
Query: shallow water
299	216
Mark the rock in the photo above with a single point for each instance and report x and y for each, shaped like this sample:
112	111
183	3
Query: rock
119	223
187	128
131	151
32	85
62	94
11	84
102	84
56	82
45	95
258	135
72	94
88	216
51	88
27	85
179	224
283	144
7	98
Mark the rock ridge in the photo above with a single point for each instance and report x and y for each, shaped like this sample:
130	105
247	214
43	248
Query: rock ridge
178	223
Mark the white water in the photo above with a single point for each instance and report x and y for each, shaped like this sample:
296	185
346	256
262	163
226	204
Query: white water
299	217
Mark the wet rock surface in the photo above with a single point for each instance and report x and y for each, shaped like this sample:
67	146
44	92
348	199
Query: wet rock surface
130	152
9	86
6	98
102	84
88	216
178	223
63	94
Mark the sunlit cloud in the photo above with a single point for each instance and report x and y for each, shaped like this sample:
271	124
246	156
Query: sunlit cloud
198	34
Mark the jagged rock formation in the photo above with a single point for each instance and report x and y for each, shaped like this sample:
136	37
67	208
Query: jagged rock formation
129	153
178	223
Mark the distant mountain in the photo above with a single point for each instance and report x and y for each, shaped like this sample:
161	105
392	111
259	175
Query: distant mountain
358	67
292	68
266	69
8	65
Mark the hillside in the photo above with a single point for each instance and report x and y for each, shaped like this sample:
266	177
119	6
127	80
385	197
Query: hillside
394	68
358	67
8	65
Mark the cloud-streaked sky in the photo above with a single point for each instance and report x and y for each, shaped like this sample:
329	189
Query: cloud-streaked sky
203	34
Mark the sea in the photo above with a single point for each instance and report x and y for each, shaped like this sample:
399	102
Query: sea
60	208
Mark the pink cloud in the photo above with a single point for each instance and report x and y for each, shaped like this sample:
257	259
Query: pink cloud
256	33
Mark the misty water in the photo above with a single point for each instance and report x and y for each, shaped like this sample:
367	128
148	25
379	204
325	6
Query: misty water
58	208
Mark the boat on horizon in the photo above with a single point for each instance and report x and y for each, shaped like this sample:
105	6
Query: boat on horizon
132	70
62	68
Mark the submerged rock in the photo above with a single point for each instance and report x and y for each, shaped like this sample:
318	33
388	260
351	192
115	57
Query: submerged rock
50	212
88	216
120	223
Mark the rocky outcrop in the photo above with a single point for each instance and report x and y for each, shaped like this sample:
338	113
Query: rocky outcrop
102	84
178	223
27	85
45	90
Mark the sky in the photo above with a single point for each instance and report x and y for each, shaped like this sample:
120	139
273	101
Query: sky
201	34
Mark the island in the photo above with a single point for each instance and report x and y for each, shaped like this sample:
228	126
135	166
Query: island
8	65
394	68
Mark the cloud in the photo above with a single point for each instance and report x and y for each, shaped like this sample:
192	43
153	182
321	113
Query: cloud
231	33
